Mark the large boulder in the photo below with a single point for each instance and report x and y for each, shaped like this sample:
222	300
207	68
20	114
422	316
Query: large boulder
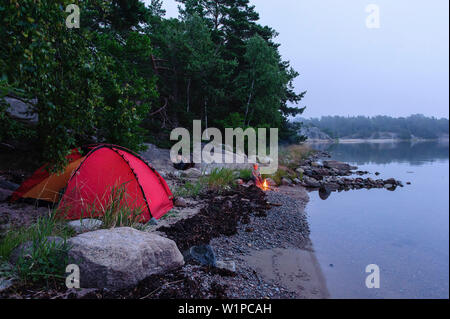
121	257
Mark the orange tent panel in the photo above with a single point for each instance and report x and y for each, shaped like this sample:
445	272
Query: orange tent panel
48	190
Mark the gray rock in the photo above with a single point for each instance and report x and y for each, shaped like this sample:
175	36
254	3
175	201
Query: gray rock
5	194
5	284
203	254
8	185
311	182
85	225
286	181
296	181
388	186
25	250
21	111
391	181
313	133
337	165
192	173
121	257
180	202
300	171
227	265
315	164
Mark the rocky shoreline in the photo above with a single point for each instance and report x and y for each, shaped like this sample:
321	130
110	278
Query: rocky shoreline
330	175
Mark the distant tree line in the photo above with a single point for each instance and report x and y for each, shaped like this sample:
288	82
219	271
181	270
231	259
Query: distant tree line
418	126
130	75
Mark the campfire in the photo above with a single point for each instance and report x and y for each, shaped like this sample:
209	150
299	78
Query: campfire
257	178
265	186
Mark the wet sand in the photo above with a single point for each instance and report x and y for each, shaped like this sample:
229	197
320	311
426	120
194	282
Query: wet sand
295	269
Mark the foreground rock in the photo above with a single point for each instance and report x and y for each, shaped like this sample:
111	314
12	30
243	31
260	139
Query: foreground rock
121	257
85	225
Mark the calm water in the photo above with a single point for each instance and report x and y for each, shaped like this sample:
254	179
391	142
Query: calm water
405	233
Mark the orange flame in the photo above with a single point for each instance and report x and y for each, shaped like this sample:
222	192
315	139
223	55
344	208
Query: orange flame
265	185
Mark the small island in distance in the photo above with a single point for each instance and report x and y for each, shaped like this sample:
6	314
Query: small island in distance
377	128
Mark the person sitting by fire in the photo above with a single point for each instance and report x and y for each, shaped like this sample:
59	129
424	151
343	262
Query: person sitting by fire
256	176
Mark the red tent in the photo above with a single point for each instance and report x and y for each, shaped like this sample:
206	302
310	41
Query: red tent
89	180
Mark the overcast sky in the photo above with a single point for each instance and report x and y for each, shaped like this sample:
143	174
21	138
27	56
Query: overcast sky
399	69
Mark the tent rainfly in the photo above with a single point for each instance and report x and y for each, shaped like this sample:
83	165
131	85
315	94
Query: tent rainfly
88	181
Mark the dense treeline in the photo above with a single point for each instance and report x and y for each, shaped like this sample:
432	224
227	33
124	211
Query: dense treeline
414	126
128	73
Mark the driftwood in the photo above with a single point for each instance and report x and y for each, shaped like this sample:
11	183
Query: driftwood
275	204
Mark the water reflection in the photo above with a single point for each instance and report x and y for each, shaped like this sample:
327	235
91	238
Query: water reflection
415	153
404	232
324	193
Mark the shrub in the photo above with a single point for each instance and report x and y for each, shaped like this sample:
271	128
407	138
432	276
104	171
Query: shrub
219	179
245	174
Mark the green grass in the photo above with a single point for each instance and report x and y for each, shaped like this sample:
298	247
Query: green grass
245	174
47	260
171	214
116	212
190	189
218	180
44	227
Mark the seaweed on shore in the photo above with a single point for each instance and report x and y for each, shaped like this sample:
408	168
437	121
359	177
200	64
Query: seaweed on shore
221	216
